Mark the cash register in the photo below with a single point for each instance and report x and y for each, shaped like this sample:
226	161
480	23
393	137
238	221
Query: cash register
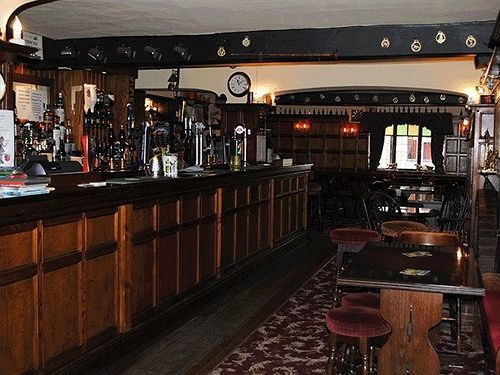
39	165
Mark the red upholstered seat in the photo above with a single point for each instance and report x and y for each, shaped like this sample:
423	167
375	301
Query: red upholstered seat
362	299
348	236
491	304
355	321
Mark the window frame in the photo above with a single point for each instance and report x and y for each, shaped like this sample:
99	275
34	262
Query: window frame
395	137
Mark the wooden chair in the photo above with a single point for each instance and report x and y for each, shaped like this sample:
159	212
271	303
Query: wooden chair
381	207
454	211
447	240
425	238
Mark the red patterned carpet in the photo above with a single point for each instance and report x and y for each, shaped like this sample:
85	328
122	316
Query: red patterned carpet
293	340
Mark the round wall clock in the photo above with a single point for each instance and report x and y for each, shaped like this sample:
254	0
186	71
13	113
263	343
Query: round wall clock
239	84
2	87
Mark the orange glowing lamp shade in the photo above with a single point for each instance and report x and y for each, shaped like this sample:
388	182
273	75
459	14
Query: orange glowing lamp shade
350	130
302	126
464	127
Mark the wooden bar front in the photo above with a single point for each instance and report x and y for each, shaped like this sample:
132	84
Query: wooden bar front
83	269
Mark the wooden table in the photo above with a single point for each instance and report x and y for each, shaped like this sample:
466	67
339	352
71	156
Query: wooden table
427	200
411	304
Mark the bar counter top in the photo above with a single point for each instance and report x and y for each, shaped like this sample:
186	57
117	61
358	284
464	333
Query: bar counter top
70	199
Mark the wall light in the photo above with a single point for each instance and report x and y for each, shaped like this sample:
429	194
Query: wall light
125	52
302	126
97	54
17	32
152	52
173	80
182	50
350	130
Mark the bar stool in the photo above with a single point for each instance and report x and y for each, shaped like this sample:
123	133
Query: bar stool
358	323
351	240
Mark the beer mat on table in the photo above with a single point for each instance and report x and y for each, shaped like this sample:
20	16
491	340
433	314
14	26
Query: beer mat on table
416	254
414	272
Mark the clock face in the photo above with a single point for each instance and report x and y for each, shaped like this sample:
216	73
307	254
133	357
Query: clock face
238	84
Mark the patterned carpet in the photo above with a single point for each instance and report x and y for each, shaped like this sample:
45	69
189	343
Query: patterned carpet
293	340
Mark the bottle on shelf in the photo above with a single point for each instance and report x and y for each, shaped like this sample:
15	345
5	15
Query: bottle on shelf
111	147
68	138
61	152
59	112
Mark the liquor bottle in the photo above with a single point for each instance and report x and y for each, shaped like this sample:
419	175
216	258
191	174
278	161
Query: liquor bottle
98	156
61	152
111	147
68	138
59	110
56	135
48	119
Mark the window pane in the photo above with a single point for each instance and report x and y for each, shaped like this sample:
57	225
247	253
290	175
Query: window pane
389	130
426	132
406	152
426	156
402	129
385	159
413	130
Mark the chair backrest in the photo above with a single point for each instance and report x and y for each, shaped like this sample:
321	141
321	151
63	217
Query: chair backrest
454	211
381	207
429	238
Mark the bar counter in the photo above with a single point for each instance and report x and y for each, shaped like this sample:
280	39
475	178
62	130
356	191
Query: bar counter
85	270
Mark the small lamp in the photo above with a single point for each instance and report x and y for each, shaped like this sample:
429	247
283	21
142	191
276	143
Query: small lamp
350	130
302	126
17	31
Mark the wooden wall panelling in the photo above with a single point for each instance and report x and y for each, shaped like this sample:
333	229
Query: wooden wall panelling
101	276
19	299
120	85
241	229
208	249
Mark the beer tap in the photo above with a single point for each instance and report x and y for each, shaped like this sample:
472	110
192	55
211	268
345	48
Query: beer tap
199	127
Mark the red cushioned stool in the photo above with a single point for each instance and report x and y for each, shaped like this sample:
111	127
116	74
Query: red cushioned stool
351	240
361	323
362	300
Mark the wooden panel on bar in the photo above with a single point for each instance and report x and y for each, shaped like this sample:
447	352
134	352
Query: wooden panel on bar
18	327
168	265
190	206
62	238
142	277
169	214
101	230
61	306
241	234
101	295
188	258
144	219
208	204
254	229
228	239
208	249
18	247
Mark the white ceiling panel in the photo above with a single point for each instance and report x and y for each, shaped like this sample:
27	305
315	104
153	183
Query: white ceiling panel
95	18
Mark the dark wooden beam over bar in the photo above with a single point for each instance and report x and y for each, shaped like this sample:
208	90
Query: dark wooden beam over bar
301	45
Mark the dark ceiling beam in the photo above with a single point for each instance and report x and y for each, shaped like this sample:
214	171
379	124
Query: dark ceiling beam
301	45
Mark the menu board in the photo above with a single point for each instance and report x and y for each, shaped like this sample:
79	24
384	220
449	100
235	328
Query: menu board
30	100
7	141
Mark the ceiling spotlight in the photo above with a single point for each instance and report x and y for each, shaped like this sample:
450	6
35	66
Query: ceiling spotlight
67	52
97	54
182	50
152	52
480	89
125	51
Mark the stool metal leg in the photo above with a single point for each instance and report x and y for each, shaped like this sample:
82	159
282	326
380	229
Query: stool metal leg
363	348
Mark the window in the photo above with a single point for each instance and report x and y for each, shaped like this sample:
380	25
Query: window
406	145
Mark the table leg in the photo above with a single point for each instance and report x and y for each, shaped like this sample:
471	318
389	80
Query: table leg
411	316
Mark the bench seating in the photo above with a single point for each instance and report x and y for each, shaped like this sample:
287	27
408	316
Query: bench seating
491	309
